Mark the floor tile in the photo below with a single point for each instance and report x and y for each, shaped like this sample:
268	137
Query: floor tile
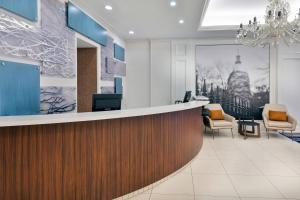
276	168
288	186
261	156
213	185
261	198
295	166
231	155
186	170
141	197
254	186
204	197
178	184
171	197
206	154
207	167
245	167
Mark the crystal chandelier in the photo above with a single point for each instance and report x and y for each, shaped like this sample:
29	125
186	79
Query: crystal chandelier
276	28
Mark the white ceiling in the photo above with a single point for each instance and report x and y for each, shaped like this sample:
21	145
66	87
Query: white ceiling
155	19
233	12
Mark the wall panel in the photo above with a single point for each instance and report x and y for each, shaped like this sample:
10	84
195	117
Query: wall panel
288	78
160	72
84	24
119	52
19	89
24	8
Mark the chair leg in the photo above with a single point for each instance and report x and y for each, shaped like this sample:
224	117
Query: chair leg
213	133
268	132
292	136
232	133
205	129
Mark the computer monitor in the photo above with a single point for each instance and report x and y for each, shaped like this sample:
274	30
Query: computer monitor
106	102
187	96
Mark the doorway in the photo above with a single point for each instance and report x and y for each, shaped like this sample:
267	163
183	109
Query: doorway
86	75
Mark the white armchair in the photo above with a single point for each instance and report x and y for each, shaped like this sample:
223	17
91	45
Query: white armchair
289	125
227	123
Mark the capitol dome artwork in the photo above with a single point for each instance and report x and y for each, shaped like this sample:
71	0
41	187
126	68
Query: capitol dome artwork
235	76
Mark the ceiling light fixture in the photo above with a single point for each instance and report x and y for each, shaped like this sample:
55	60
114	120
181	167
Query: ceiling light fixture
276	27
108	7
181	21
131	32
173	3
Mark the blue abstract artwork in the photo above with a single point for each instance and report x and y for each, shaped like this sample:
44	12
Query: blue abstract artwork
118	85
23	8
82	23
19	89
119	52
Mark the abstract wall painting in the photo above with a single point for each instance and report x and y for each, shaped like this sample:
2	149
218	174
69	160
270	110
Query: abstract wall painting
50	43
55	100
236	76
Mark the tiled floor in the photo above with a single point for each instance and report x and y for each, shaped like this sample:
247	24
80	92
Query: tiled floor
236	169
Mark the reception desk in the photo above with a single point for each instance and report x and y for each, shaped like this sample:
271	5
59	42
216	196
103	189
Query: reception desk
95	155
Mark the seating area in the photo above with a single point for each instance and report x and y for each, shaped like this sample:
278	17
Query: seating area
275	118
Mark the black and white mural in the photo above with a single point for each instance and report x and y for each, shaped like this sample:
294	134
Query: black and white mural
236	76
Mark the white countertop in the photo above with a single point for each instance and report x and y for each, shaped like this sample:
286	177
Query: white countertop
92	116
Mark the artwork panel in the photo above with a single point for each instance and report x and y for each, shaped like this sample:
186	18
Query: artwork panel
24	8
236	76
49	44
107	90
116	67
19	89
56	100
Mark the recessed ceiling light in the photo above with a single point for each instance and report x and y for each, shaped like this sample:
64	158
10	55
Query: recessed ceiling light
173	3
108	7
181	21
131	32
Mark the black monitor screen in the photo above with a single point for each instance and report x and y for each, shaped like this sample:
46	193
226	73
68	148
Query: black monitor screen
187	96
106	102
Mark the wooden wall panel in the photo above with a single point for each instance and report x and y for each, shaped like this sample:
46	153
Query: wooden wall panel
95	160
86	78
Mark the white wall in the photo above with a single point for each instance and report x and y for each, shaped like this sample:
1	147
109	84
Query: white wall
157	72
289	78
138	74
183	68
160	76
160	79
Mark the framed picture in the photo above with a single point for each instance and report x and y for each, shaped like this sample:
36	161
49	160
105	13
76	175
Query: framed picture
236	76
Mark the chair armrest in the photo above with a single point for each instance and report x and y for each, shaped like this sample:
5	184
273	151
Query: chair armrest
266	120
210	122
293	121
229	118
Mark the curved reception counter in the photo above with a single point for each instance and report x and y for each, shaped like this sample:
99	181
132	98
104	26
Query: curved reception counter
95	155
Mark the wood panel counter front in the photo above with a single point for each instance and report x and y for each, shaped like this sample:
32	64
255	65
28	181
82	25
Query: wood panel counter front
96	159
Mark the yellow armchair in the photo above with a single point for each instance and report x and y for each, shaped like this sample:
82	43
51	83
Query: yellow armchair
289	125
227	123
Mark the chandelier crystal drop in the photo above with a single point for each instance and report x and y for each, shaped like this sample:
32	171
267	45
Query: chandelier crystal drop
276	28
